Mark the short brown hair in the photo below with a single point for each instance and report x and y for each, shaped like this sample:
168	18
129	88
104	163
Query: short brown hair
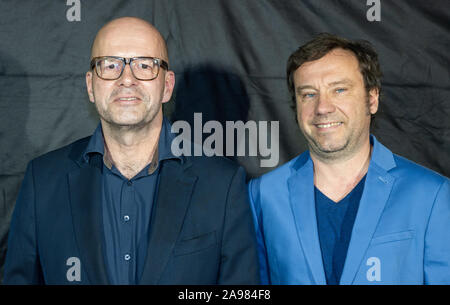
324	43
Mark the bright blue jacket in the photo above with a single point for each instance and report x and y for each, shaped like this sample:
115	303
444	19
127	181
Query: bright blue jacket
401	233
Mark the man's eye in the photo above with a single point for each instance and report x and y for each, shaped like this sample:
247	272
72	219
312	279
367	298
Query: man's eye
308	95
111	66
144	66
340	90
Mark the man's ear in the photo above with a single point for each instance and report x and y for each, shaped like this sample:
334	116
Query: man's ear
374	95
169	85
89	86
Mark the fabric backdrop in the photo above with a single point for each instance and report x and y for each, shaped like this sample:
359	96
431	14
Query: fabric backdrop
229	57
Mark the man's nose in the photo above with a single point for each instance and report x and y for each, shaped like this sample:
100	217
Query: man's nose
127	78
325	104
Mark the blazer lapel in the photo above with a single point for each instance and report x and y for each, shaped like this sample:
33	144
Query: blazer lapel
301	195
376	192
174	194
85	188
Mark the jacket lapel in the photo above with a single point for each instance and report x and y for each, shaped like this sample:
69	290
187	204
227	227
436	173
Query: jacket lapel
85	189
376	192
174	194
301	195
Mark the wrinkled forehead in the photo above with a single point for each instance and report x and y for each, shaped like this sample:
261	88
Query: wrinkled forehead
129	40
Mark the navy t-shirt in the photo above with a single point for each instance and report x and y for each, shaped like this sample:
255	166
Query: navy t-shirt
335	224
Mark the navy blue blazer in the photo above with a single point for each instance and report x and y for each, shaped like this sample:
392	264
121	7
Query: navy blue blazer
201	229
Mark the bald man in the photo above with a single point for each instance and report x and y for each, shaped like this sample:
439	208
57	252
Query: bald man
119	207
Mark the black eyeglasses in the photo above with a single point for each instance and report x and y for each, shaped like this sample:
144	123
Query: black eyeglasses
143	68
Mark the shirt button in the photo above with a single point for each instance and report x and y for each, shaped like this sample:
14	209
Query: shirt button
127	257
129	183
126	218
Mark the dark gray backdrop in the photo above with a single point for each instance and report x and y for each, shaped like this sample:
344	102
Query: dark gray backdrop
229	57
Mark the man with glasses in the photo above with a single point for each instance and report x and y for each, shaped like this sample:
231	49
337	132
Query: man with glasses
119	207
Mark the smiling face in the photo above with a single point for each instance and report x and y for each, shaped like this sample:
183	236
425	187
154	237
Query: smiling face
127	101
333	106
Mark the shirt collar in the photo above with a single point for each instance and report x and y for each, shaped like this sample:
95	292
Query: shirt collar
163	152
95	144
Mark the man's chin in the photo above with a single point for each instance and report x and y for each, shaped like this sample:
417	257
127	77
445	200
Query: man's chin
132	122
327	150
129	123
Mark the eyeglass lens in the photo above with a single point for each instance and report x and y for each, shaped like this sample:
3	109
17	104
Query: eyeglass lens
142	68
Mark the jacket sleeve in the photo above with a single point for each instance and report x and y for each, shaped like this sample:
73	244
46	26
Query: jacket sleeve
257	220
239	262
437	239
22	262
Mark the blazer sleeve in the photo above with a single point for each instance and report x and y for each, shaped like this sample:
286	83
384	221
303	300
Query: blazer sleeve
257	220
437	239
239	262
22	262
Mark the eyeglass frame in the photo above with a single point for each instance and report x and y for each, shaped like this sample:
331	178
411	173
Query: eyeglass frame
127	61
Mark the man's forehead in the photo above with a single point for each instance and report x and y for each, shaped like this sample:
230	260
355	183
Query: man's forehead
336	66
129	39
336	57
127	44
332	82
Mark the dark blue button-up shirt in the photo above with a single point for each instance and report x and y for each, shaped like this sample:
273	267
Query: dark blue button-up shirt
335	224
126	208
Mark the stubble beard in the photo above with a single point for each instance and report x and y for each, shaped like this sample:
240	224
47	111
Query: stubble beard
337	152
333	151
107	116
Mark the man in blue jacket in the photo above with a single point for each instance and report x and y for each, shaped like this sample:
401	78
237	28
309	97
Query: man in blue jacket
120	207
348	211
